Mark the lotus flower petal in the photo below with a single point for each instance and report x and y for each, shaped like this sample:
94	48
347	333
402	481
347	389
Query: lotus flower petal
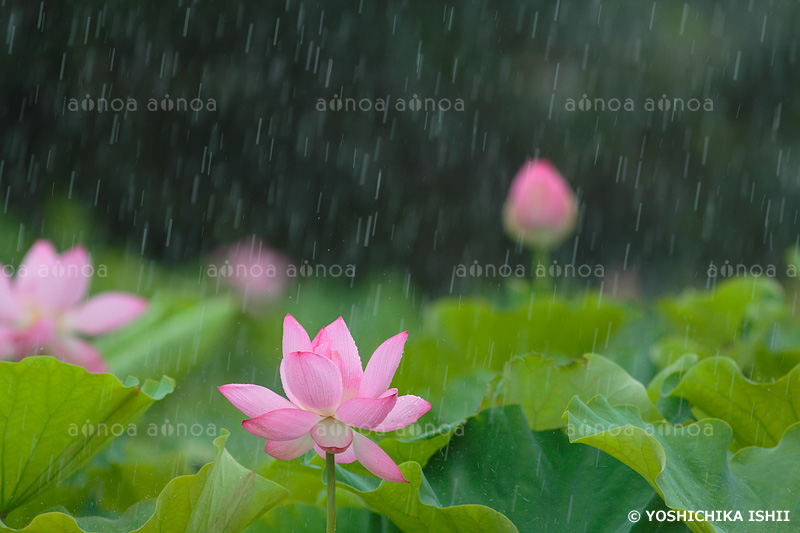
313	380
344	353
406	411
40	259
10	308
295	338
71	279
282	424
106	312
77	352
374	459
367	413
382	366
286	450
254	400
346	457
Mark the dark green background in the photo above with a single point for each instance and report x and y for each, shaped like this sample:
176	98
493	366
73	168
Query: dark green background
666	191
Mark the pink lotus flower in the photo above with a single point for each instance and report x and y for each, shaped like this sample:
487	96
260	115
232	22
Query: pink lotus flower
256	271
42	311
541	209
328	395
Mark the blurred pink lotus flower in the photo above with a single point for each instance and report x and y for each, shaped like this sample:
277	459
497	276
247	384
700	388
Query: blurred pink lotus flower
328	395
256	271
42	311
541	209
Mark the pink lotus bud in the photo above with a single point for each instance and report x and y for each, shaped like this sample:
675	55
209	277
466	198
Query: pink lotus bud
541	209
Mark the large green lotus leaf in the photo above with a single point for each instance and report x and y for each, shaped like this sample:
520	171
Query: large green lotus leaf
304	481
744	319
171	336
544	389
759	361
414	507
305	517
55	521
667	379
690	467
734	310
463	344
770	365
628	345
758	413
420	448
452	385
136	469
672	348
410	506
485	336
739	318
223	497
675	410
304	478
54	417
537	479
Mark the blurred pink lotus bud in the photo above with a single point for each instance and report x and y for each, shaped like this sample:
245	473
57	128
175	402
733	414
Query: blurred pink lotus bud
541	210
256	271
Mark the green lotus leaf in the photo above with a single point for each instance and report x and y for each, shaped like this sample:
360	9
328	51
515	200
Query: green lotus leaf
758	413
222	497
54	417
544	389
691	469
413	507
536	478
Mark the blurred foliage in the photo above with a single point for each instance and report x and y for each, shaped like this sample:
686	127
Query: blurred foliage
746	319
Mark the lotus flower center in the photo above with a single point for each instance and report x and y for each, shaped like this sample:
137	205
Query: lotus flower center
332	435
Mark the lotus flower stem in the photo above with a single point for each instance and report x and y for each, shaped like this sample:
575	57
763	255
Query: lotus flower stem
541	255
330	466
